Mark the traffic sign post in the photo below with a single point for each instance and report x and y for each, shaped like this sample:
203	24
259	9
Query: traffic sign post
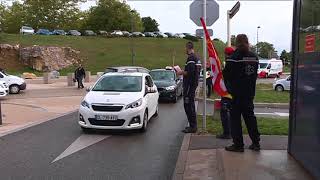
230	14
209	11
200	32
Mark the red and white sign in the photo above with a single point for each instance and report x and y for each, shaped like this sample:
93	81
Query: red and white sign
310	43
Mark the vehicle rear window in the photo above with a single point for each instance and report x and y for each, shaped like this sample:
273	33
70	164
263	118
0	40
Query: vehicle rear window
162	75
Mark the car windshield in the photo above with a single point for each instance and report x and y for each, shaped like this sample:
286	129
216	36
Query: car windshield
162	75
119	84
27	28
263	65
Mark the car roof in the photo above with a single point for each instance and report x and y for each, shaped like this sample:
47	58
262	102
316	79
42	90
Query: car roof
125	74
126	67
161	70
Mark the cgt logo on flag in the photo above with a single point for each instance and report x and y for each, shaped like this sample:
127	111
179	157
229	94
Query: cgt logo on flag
310	43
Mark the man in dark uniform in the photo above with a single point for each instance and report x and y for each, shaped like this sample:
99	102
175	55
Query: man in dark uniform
190	84
80	74
241	74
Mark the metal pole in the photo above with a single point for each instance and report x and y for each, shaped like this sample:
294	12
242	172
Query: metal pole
204	117
132	51
0	114
257	39
228	29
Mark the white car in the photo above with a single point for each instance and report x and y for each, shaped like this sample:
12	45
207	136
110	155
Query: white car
4	90
119	101
26	30
282	84
117	33
15	83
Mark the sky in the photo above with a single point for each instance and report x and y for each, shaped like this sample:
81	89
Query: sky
274	18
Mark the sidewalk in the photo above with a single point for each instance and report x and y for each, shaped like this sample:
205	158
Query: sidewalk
202	157
39	103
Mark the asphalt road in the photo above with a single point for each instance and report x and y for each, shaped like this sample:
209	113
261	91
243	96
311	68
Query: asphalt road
30	154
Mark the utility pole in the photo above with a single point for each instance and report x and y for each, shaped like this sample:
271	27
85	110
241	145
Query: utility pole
257	39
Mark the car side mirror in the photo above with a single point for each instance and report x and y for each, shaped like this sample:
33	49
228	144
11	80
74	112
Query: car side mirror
89	88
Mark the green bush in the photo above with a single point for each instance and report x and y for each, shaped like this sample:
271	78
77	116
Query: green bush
191	38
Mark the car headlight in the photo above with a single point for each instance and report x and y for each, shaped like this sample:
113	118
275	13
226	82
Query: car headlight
134	104
170	88
85	104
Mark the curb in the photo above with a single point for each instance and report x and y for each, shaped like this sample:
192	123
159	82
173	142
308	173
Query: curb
35	123
182	158
258	105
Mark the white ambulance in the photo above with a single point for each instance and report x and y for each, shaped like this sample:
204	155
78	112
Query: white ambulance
270	67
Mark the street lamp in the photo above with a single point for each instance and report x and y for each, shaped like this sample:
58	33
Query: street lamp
257	38
132	50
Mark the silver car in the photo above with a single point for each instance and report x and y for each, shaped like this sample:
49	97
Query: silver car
282	84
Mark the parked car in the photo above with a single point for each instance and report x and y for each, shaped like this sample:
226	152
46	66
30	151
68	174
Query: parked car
137	34
74	33
117	33
119	101
103	33
127	69
282	84
4	90
149	34
170	35
126	33
168	83
43	32
160	35
26	30
89	33
15	84
179	35
270	67
59	32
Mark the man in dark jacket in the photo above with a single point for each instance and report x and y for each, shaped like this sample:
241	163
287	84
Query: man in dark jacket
190	84
241	75
79	75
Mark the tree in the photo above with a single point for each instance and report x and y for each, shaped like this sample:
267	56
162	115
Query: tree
113	15
13	18
265	49
285	57
150	25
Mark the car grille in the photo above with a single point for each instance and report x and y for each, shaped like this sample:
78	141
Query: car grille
161	89
107	108
95	122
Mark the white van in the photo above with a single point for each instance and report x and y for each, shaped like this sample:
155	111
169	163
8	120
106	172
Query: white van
14	83
270	67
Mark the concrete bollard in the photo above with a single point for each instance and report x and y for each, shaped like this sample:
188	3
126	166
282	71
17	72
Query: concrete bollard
70	79
99	74
87	78
47	78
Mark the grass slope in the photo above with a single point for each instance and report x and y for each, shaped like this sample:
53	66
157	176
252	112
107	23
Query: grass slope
99	52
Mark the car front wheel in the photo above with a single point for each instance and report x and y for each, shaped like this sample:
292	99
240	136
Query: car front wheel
145	122
279	88
14	89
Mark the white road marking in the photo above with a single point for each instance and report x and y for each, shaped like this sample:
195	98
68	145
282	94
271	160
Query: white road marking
274	114
282	114
80	143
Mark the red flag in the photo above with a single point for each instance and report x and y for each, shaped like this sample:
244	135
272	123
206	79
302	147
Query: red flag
216	73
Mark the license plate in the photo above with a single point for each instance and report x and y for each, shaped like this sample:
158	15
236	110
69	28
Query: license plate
106	117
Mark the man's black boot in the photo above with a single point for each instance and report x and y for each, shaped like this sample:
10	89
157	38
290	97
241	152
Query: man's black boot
234	148
255	147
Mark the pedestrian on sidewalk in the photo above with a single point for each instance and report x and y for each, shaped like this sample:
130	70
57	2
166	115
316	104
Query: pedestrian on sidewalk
226	104
241	73
190	84
79	75
209	81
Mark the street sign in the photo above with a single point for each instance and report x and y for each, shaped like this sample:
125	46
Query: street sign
212	12
200	32
234	10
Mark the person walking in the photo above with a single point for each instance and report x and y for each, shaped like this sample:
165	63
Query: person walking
241	74
209	82
190	84
79	75
226	104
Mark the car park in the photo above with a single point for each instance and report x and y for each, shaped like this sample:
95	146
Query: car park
59	32
119	101
4	90
168	83
126	33
15	84
179	35
160	35
26	30
103	33
43	32
74	33
170	35
282	84
149	34
89	33
127	69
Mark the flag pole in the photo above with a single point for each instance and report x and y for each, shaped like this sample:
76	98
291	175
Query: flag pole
204	117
